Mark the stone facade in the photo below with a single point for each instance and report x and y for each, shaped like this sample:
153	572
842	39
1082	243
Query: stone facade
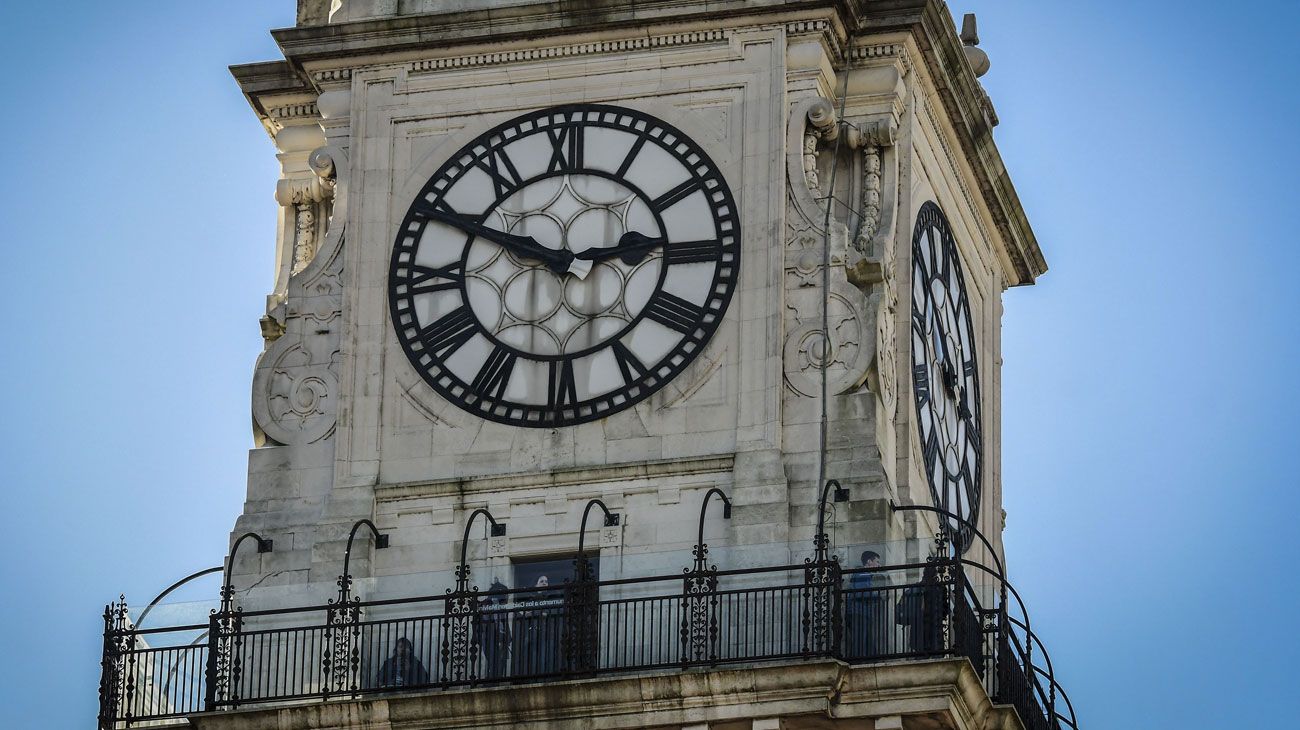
932	694
374	95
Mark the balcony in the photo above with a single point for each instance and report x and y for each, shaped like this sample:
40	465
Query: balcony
817	614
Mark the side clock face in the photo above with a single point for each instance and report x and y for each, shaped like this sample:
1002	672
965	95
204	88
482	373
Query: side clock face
564	265
945	376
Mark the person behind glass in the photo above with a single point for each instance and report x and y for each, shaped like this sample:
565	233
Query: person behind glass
920	613
537	632
402	669
492	631
865	609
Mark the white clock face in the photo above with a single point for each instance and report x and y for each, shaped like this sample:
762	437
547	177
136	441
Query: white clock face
564	265
945	374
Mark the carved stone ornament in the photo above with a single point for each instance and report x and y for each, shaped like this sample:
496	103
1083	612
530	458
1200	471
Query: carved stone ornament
296	383
296	387
310	200
886	369
846	354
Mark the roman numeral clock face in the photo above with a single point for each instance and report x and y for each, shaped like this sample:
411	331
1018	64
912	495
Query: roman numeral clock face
564	265
945	377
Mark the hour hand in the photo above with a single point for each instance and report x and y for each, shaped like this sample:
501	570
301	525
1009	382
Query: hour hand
632	248
525	247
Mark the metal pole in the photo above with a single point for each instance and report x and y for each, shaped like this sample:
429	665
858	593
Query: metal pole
227	590
821	542
462	571
702	550
345	580
611	520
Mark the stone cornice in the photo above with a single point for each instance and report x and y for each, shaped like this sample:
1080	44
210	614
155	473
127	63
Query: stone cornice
308	44
972	116
275	91
564	51
945	689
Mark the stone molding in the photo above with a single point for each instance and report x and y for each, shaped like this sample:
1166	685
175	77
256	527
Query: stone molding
557	478
820	694
574	49
869	53
331	76
304	110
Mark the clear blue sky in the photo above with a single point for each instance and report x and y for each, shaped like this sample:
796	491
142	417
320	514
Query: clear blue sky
1150	377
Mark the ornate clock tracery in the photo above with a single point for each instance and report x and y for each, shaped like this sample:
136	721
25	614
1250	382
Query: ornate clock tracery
945	372
564	265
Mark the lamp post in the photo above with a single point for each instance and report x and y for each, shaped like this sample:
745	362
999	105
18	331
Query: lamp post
581	603
227	590
462	571
460	648
341	661
821	542
225	637
699	629
611	520
345	580
702	550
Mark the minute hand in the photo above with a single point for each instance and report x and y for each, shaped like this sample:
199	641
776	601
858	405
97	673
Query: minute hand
632	248
523	246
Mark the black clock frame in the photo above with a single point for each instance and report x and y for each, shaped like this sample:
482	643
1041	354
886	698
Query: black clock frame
559	122
931	217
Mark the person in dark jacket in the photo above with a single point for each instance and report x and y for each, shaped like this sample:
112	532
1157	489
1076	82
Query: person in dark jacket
403	669
492	631
921	611
865	610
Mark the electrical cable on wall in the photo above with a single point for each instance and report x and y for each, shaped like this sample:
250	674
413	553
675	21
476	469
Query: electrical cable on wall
826	280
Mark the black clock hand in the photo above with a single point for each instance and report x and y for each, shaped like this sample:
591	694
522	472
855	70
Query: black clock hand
523	246
632	248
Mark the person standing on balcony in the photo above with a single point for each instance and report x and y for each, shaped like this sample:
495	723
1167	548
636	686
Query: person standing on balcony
492	631
537	633
920	613
402	669
865	610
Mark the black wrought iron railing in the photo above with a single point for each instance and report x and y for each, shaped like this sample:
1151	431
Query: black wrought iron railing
703	618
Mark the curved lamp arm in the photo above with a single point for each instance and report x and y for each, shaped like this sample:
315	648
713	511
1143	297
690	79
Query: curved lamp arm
820	541
227	590
345	580
462	571
611	520
700	550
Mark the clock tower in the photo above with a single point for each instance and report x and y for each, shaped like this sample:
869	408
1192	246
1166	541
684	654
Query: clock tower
537	256
572	255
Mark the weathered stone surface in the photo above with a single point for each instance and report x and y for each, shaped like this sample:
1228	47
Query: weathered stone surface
373	97
913	695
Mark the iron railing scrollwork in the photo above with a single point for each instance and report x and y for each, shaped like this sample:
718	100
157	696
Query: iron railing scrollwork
117	645
701	617
821	612
458	651
581	609
224	663
341	649
699	622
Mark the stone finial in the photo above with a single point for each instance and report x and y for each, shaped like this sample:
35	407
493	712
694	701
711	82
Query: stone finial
970	38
